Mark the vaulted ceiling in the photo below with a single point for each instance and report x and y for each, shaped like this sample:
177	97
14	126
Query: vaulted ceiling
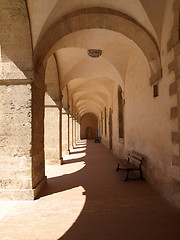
91	81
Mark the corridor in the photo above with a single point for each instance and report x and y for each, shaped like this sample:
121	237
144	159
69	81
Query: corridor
86	199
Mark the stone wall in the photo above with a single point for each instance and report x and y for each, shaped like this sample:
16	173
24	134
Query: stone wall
173	48
15	142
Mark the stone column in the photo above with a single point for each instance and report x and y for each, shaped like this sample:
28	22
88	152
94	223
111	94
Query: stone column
22	172
74	132
77	130
53	153
70	132
16	179
60	132
65	132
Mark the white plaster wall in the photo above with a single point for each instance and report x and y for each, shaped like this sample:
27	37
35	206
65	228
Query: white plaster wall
147	123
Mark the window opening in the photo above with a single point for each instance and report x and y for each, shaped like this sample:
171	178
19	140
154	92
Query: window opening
156	90
120	113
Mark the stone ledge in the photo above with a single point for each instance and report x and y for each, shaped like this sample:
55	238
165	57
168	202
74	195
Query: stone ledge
15	81
22	194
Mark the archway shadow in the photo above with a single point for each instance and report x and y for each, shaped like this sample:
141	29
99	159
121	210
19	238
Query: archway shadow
114	209
79	150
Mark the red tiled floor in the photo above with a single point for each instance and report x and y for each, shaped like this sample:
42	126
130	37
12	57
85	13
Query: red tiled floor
86	199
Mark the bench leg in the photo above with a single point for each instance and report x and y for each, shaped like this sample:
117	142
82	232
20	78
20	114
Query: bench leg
117	167
126	176
141	175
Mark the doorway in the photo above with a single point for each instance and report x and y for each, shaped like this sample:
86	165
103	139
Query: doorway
89	133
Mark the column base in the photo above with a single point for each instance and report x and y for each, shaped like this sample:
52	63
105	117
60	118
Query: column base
61	161
53	161
22	194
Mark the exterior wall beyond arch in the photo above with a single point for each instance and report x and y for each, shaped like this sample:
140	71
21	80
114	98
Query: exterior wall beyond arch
88	121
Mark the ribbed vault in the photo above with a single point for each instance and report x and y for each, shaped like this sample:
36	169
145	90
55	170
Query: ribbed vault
102	18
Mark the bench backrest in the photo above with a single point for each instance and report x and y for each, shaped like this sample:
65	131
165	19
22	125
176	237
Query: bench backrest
135	158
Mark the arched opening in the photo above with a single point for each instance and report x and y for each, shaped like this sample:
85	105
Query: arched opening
132	50
96	64
89	125
89	133
121	23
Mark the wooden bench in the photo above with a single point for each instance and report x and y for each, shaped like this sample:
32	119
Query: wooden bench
133	163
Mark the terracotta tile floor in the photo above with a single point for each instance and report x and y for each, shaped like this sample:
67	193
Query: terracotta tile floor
86	199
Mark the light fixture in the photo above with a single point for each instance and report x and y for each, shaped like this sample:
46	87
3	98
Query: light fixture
94	53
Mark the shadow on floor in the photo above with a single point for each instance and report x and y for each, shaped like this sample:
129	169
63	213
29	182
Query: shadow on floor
115	209
75	152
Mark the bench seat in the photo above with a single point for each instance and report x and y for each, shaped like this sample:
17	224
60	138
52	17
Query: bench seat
133	163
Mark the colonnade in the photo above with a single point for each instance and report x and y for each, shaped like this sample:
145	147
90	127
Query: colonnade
62	132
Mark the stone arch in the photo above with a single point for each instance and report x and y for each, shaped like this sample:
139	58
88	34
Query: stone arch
15	46
105	18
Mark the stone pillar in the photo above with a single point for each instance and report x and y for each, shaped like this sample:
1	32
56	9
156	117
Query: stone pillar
65	132
74	132
53	153
60	132
70	132
22	169
99	128
16	179
77	130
